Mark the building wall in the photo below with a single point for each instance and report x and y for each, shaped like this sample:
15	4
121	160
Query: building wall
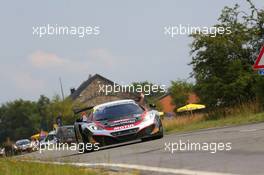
167	104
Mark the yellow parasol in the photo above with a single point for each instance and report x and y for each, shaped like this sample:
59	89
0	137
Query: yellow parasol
190	107
35	136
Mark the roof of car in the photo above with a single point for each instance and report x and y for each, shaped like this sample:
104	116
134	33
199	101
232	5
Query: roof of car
52	133
67	126
22	140
113	103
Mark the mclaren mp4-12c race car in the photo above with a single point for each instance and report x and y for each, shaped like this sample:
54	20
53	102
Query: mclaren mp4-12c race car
116	122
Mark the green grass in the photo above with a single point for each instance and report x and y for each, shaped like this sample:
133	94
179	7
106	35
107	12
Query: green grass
16	167
198	122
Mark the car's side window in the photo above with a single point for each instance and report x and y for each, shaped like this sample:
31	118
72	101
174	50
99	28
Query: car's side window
90	118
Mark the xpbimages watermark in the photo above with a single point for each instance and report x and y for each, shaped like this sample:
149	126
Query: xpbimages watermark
146	89
80	147
211	147
63	30
180	29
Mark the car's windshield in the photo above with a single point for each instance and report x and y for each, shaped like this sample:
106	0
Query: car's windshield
70	131
50	137
67	131
22	142
117	111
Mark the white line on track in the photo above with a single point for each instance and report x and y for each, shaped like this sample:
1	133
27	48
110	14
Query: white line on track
139	167
248	130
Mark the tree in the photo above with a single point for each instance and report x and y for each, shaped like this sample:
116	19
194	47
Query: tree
222	65
65	107
43	104
21	119
180	91
17	120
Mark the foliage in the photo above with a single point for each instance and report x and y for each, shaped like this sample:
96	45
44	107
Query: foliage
180	91
19	119
222	65
260	91
63	107
43	109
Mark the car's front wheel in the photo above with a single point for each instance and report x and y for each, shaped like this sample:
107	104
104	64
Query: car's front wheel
159	135
86	137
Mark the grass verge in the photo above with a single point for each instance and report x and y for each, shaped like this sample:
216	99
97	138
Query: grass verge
16	167
196	122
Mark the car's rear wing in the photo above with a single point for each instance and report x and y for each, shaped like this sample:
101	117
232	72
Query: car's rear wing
77	111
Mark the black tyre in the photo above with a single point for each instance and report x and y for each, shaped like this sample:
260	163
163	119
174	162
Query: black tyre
87	137
159	135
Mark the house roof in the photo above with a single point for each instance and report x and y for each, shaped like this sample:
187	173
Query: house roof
163	96
86	83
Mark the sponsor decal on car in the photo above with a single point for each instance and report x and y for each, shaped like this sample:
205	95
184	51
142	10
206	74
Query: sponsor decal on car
123	122
123	127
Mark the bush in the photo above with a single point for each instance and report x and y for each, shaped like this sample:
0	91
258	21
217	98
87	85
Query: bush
260	91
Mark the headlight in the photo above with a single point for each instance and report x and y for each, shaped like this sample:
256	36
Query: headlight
95	127
149	116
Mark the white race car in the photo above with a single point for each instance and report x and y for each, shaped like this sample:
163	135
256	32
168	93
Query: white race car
118	121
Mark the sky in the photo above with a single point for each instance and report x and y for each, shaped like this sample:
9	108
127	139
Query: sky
131	45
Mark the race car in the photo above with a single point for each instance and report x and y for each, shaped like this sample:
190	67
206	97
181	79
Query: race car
23	145
118	121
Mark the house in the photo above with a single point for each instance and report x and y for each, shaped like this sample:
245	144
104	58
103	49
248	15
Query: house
166	102
193	98
90	92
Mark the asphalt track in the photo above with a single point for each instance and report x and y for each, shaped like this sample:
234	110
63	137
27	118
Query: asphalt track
245	157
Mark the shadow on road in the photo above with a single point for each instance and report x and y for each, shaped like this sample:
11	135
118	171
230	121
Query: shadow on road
104	148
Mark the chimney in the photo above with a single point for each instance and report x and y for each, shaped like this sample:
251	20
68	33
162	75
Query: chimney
90	76
72	90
